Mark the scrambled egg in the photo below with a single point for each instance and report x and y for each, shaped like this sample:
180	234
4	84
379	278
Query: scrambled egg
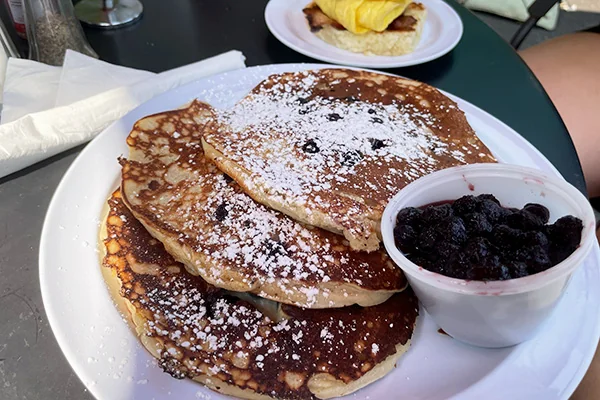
361	16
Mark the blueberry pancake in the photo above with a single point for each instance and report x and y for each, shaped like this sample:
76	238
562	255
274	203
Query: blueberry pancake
208	223
330	147
237	345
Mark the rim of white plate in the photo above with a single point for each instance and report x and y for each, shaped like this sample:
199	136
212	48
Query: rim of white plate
468	108
437	8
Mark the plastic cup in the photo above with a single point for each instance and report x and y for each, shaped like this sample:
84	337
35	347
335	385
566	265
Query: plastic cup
493	313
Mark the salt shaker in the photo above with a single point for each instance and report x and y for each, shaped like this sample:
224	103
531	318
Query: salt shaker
52	28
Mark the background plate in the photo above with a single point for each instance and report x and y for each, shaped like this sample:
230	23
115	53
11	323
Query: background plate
110	361
441	33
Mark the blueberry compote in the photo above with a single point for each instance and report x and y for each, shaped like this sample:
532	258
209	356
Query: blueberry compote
476	238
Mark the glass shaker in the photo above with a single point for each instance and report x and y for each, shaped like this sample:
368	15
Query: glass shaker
52	28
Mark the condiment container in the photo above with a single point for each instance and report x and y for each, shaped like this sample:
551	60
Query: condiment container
17	15
492	313
52	28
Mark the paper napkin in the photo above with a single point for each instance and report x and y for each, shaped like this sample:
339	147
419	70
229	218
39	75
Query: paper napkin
29	87
84	76
78	118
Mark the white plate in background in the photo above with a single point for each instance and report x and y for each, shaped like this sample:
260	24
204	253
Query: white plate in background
441	33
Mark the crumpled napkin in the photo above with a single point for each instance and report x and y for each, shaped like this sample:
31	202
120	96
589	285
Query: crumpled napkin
29	87
513	9
84	76
83	102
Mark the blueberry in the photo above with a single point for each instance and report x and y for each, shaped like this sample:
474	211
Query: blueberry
477	250
490	268
477	224
559	254
504	272
376	120
227	178
310	147
493	211
458	265
488	197
221	212
465	205
351	158
410	216
535	256
371	111
504	236
428	239
434	214
496	269
535	238
539	259
302	100
564	236
377	144
334	117
446	250
524	221
519	254
406	237
453	229
153	185
518	269
274	248
566	231
539	211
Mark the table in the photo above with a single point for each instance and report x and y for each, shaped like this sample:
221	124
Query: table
482	69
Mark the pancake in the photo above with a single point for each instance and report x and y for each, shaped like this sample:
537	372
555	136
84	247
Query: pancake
331	147
207	334
209	224
401	37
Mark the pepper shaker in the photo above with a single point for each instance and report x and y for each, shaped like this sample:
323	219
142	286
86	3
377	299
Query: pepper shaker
52	28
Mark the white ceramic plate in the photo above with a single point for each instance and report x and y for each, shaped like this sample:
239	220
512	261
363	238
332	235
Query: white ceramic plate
107	357
441	33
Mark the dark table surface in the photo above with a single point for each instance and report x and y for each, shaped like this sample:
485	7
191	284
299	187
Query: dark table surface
482	69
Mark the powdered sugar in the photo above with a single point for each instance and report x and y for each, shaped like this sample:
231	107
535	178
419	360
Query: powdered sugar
281	118
234	242
374	348
203	331
330	131
310	142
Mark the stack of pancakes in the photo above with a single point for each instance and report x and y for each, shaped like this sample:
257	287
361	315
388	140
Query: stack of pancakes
245	242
